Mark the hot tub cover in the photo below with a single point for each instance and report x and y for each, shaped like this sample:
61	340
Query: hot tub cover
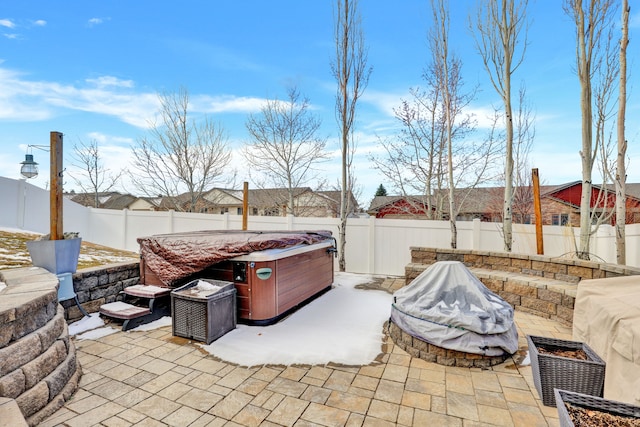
178	255
449	307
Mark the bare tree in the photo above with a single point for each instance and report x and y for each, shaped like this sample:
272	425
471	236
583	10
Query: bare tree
621	170
524	134
499	27
181	158
352	73
593	20
415	162
285	146
415	158
604	85
94	178
435	159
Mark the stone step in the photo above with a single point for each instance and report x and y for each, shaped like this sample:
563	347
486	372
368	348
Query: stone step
123	310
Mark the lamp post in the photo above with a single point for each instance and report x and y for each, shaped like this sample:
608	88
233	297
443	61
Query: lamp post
29	169
55	198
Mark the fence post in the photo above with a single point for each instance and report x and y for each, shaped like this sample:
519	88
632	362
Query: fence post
371	247
225	221
290	222
22	200
170	220
475	245
125	227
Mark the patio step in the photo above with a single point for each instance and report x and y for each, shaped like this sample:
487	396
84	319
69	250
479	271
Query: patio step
123	310
134	314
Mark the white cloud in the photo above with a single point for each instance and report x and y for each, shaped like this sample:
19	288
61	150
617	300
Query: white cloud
94	21
12	36
227	104
384	101
134	109
26	100
40	23
105	81
7	23
104	139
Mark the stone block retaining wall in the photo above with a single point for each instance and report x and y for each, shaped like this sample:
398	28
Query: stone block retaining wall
100	285
38	365
442	356
537	284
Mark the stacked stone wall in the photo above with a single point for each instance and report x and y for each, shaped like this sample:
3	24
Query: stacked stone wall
100	285
38	365
433	353
537	284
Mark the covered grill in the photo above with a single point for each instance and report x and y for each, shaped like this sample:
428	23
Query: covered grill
449	307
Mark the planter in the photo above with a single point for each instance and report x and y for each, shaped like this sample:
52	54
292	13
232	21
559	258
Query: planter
565	373
56	256
609	408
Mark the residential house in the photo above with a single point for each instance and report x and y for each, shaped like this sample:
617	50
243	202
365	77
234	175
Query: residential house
274	202
560	204
110	200
261	202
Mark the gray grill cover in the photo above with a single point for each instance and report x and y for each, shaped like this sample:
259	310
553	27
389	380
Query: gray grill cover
449	307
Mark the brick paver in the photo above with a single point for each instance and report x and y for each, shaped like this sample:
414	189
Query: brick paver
154	379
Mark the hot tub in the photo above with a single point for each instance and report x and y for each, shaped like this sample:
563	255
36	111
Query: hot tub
273	282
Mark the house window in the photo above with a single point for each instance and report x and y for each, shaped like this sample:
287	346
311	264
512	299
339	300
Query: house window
239	211
254	211
224	210
559	219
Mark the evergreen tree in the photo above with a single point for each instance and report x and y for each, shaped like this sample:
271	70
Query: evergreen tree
381	191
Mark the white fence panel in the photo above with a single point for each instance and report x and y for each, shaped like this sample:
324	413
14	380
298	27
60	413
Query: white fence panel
374	246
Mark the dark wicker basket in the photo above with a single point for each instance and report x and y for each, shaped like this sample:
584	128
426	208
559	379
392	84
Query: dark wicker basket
590	402
203	318
549	371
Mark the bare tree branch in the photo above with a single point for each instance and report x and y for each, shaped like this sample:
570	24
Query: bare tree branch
285	149
180	159
593	21
95	178
351	71
498	34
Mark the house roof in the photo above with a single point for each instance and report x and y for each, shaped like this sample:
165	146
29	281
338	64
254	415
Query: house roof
106	200
488	199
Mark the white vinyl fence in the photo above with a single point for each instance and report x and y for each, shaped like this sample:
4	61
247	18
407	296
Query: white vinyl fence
374	246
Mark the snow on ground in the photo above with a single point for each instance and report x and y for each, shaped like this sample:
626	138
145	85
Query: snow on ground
344	325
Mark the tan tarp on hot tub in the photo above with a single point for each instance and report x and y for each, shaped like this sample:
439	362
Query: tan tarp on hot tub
175	256
606	317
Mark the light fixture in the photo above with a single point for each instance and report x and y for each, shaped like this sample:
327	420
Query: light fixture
29	167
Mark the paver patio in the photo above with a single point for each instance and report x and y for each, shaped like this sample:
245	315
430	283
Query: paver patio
154	379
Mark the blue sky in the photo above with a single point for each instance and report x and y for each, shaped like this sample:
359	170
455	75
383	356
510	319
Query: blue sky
92	70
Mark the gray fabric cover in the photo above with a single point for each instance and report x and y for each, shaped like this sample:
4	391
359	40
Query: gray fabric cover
449	307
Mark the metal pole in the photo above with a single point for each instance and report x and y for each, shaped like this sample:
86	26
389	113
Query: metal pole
538	211
55	199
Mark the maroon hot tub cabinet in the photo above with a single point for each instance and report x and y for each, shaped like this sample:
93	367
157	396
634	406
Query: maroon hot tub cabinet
272	282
